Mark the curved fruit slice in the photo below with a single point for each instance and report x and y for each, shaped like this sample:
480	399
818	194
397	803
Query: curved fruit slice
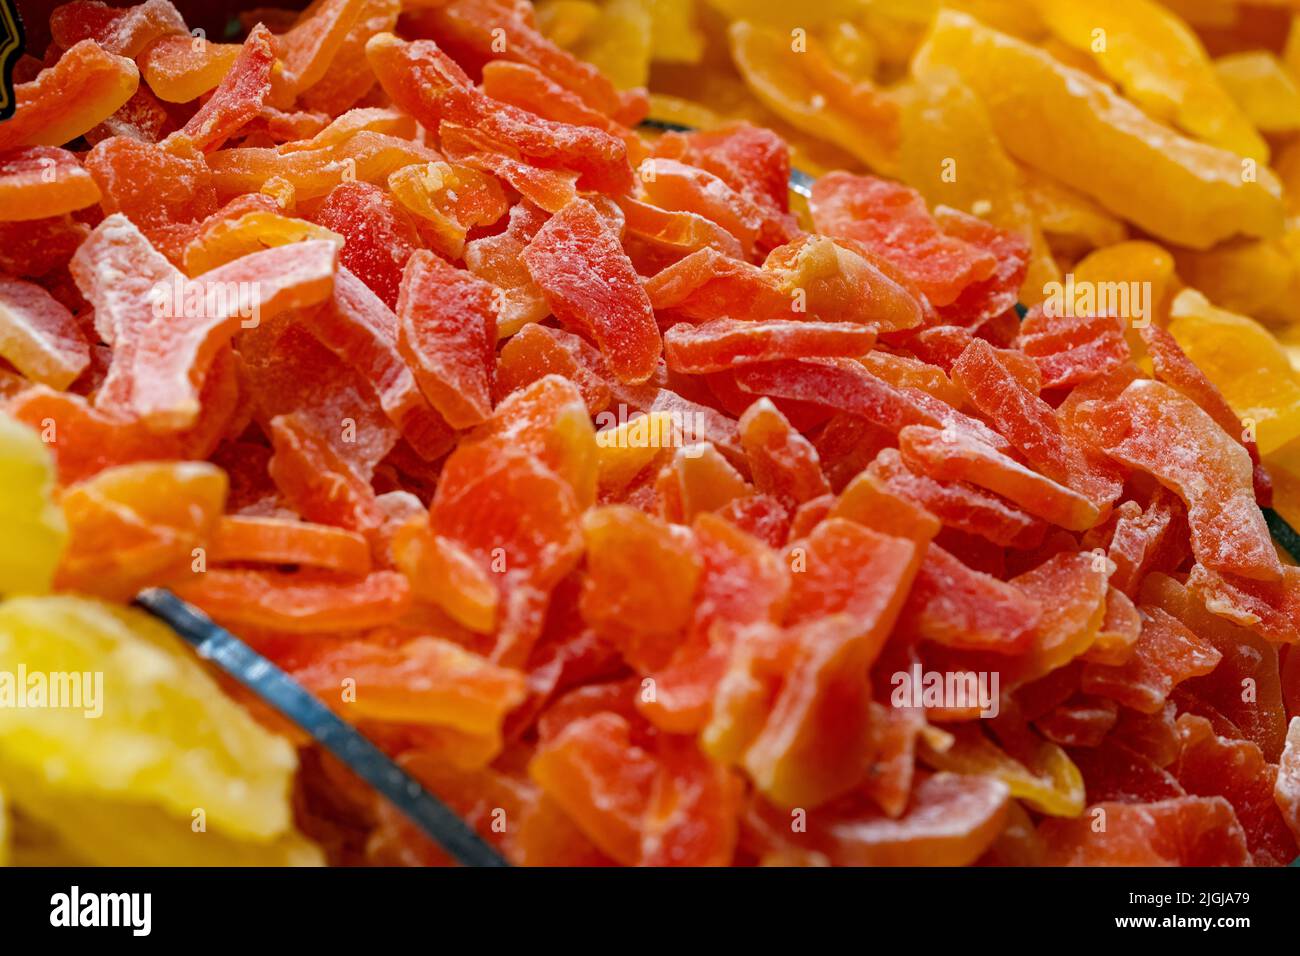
37	528
39	336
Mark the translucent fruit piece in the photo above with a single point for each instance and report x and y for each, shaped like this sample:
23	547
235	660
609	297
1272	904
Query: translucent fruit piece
440	571
41	181
497	259
237	771
182	68
641	578
1185	831
239	97
39	336
784	463
590	284
125	32
262	540
447	334
1167	653
1210	766
1156	429
38	529
451	198
76	94
951	457
134	525
1024	87
954	605
297	602
379	235
723	343
893	221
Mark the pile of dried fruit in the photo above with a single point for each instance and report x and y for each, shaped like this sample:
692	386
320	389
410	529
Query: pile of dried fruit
644	519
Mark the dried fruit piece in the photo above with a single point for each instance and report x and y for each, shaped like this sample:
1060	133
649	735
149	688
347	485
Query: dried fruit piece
1167	653
590	284
447	334
1210	471
261	540
1185	831
41	181
724	343
94	82
38	529
39	336
134	524
893	221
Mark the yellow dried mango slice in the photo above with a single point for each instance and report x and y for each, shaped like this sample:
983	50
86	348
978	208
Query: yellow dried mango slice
1263	88
1160	64
1093	140
1246	363
139	722
34	528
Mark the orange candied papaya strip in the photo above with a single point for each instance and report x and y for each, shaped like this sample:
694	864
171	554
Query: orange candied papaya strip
86	86
262	540
303	602
41	181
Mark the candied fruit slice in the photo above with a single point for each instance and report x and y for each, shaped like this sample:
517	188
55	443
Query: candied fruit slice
1152	427
302	602
39	336
587	278
37	527
892	220
641	580
447	334
721	344
955	605
1183	831
135	524
83	88
41	181
265	540
379	235
1167	653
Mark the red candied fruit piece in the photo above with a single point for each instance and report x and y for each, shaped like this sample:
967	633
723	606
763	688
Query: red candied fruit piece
741	581
1272	608
37	182
1071	350
1167	653
1211	766
318	482
753	161
1153	428
428	84
447	333
1117	773
519	521
959	505
536	351
709	283
165	189
784	463
1030	424
590	283
950	819
641	578
360	330
497	258
1173	367
239	97
676	186
525	86
125	32
845	385
985	300
721	344
759	515
165	331
1183	831
299	602
954	605
892	220
483	30
39	336
379	235
950	456
35	247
